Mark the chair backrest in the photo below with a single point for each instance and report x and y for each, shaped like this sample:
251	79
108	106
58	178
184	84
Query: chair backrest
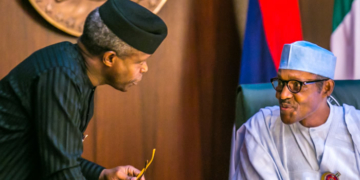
252	97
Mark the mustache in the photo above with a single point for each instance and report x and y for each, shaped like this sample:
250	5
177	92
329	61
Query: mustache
285	103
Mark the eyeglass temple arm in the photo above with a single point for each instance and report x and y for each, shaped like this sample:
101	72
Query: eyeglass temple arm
146	166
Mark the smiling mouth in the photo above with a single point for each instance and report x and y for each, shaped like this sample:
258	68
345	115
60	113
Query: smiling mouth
285	107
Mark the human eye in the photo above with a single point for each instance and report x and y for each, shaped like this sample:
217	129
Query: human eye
295	85
281	83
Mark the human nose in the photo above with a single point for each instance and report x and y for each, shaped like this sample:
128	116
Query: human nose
144	68
285	92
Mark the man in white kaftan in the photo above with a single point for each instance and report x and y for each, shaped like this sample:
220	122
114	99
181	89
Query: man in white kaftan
305	136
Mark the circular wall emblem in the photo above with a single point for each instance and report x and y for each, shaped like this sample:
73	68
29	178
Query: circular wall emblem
69	15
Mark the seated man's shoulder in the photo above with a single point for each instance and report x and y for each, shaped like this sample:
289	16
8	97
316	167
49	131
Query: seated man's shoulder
349	109
264	118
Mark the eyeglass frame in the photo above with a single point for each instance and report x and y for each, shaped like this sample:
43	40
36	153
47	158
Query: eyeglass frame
301	83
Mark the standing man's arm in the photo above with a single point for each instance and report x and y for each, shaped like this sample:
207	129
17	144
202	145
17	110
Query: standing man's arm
90	169
57	120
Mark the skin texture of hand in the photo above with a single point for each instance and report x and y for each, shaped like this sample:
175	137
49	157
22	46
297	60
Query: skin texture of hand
120	173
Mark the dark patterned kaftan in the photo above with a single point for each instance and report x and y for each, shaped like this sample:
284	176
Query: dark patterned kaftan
46	103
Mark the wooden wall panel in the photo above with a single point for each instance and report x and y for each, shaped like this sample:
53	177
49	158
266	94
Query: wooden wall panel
316	20
22	32
215	55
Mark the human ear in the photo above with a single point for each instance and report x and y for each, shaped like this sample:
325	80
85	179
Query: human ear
328	87
108	58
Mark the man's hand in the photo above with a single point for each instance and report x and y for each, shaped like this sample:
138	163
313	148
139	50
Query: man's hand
120	173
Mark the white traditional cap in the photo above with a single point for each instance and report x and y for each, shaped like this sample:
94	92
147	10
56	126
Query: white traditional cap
308	57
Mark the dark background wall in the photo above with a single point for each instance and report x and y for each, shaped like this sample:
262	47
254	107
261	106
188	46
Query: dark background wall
184	107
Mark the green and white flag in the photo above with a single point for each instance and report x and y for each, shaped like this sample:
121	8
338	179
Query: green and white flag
345	38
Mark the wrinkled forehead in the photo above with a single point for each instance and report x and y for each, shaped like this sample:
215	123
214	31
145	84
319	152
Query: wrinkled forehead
290	74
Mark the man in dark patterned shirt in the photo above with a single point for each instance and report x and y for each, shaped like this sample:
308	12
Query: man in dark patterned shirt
46	101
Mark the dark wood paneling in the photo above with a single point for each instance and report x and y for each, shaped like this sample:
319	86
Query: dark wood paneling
214	61
22	32
316	20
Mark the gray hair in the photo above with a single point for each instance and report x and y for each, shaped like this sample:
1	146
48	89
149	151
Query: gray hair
98	38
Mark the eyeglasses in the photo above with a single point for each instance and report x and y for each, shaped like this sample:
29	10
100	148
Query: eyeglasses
294	86
147	164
